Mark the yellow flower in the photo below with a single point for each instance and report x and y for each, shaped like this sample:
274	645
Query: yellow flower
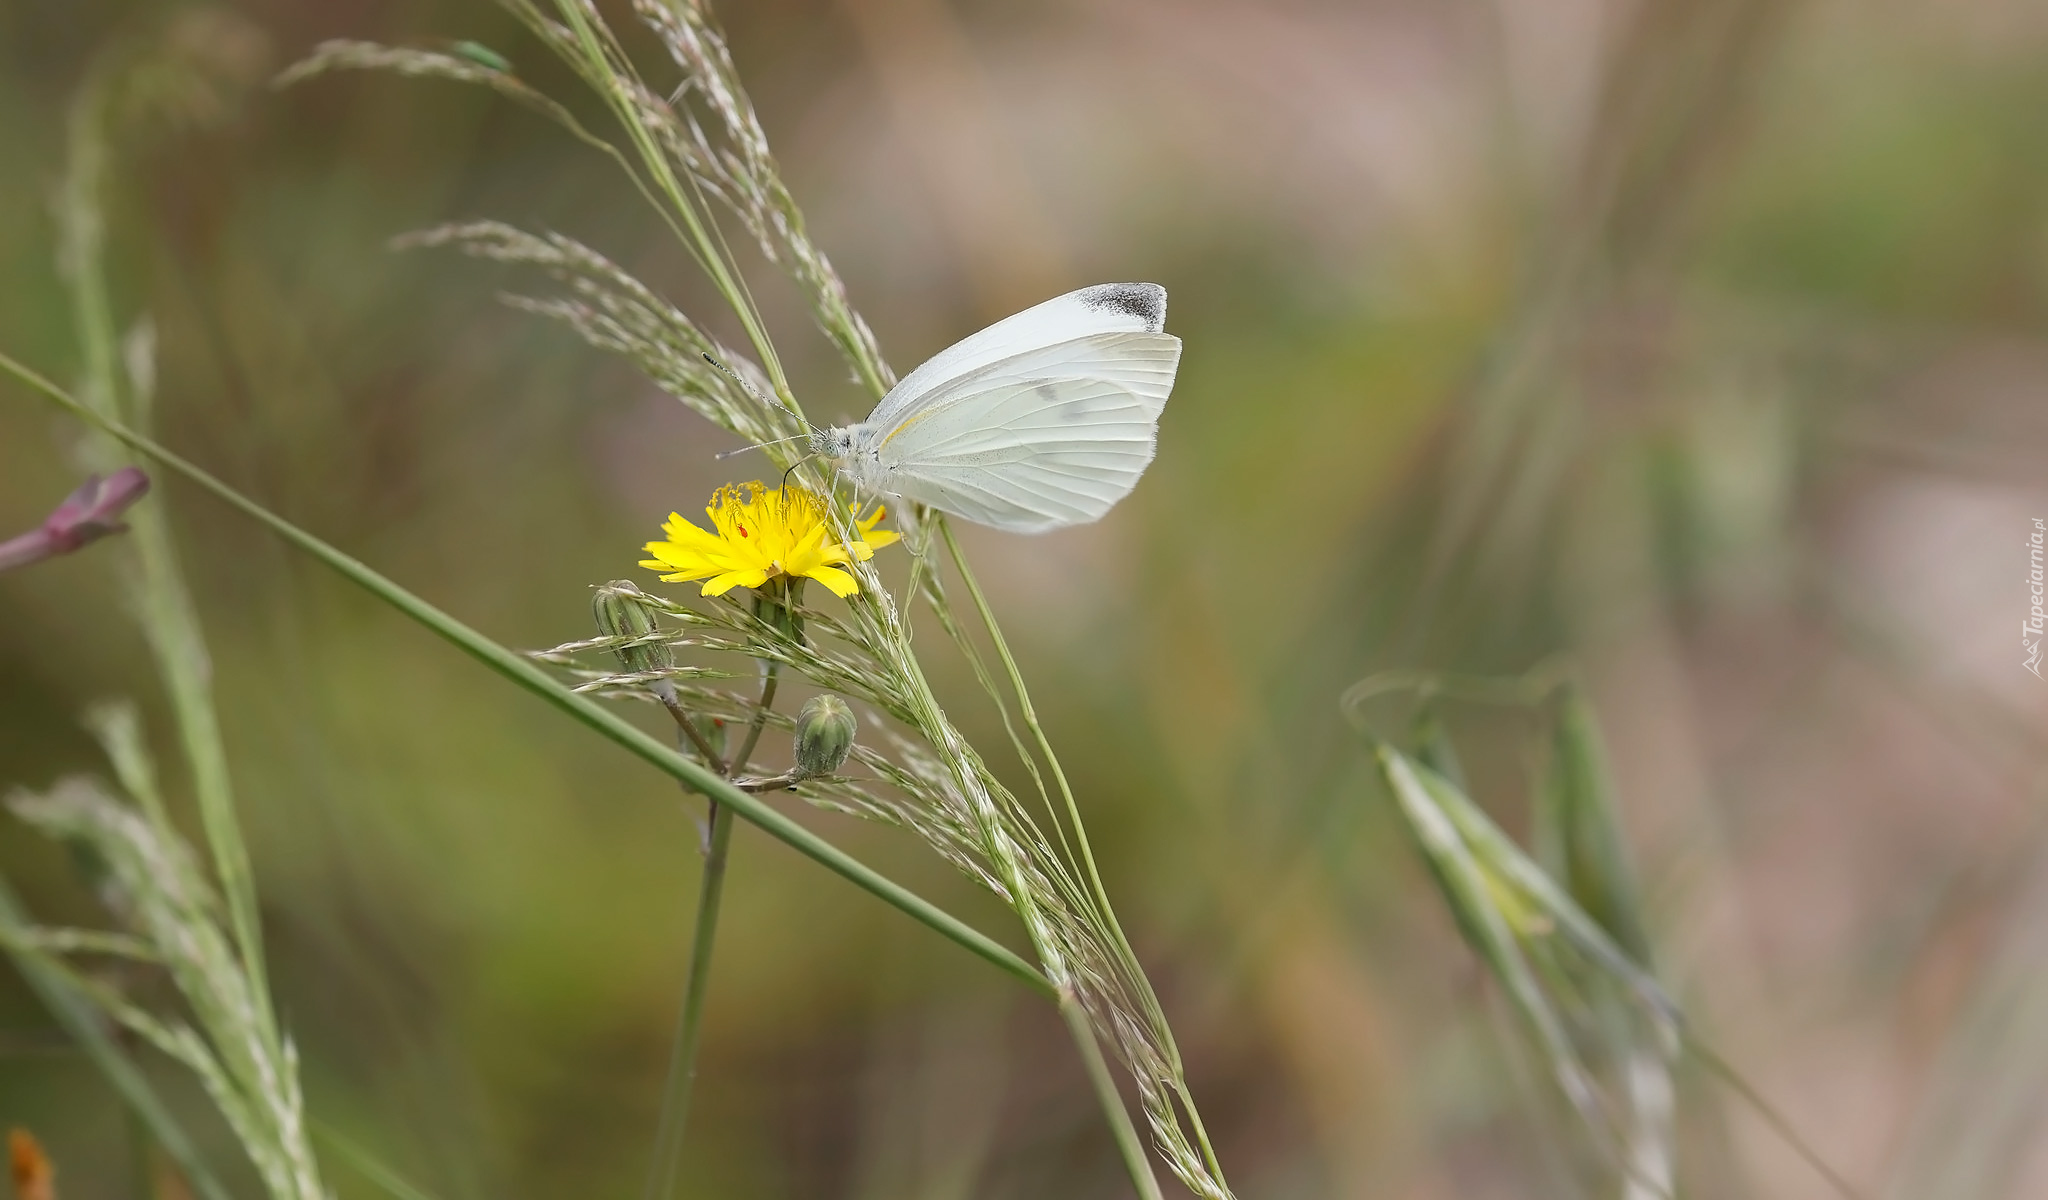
761	533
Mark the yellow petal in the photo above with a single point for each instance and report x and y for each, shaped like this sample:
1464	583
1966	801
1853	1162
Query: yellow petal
720	585
755	534
696	539
675	558
810	542
839	581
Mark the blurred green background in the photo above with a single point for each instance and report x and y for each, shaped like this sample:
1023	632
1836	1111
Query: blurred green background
1699	339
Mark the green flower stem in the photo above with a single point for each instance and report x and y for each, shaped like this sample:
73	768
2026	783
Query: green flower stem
760	721
529	676
682	1067
691	732
1128	1144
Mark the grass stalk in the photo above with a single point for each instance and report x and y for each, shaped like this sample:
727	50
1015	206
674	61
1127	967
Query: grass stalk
682	1067
81	1019
1029	715
1130	1147
704	242
1778	1122
1097	892
1545	949
164	604
368	1166
525	674
760	721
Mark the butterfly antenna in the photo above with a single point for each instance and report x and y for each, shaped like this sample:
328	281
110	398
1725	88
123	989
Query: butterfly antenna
722	455
748	388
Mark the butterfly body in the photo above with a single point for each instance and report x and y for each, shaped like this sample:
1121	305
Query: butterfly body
1042	420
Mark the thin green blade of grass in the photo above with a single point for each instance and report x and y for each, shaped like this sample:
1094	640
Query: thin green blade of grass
1576	829
222	1034
368	1166
525	674
1514	867
1491	921
81	1019
119	391
605	66
1498	895
1576	836
1634	1023
1535	889
1512	932
1136	982
1433	746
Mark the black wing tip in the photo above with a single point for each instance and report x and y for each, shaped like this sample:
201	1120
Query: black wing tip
1145	301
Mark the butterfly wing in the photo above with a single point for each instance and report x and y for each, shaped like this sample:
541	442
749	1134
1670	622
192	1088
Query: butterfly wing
1104	308
1052	436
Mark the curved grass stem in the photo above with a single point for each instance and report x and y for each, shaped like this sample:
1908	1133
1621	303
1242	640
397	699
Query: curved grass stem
1030	717
1091	1050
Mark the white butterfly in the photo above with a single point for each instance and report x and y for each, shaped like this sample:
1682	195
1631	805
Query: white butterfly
1042	420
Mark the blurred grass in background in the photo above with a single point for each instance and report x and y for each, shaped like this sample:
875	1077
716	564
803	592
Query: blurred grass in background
1699	340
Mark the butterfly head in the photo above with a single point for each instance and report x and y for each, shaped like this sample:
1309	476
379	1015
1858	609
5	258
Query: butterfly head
835	443
853	453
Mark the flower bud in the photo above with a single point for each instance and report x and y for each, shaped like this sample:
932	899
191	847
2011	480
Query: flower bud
94	510
621	610
824	735
87	515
